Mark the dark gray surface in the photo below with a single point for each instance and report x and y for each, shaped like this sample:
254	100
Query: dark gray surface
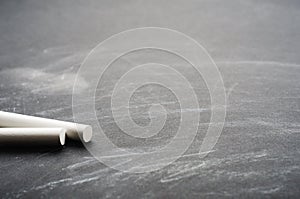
256	47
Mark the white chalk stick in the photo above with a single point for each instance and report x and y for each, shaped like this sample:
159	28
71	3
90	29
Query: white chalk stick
32	136
73	130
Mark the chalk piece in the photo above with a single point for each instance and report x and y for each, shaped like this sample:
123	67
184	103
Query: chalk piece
73	131
32	136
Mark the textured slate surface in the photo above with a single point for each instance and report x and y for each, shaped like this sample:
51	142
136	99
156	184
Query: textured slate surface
256	47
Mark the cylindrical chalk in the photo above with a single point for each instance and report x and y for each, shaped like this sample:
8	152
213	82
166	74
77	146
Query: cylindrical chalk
74	131
32	136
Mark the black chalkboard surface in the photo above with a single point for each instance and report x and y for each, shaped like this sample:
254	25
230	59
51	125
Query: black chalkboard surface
255	45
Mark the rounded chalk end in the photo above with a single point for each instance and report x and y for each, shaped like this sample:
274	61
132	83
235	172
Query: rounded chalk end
62	137
87	134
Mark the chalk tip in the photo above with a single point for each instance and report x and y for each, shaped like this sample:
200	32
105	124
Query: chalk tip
87	134
62	137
